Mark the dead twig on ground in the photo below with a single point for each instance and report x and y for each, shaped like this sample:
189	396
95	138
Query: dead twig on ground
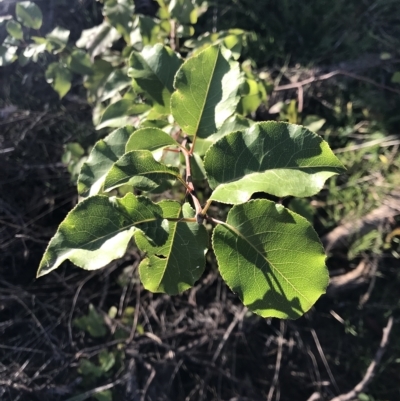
369	374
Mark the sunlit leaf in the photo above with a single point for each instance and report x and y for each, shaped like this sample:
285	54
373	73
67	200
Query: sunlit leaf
154	69
29	14
273	157
98	230
272	258
7	55
206	92
102	157
57	39
179	263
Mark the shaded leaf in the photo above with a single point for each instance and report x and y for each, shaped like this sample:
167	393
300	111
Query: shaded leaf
57	39
95	83
92	323
105	395
14	28
99	229
140	169
118	113
183	11
273	157
117	81
206	92
154	69
59	77
272	258
29	14
102	157
233	123
180	262
79	62
96	40
120	16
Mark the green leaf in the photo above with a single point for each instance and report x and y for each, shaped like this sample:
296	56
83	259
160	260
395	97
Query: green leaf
29	14
117	81
206	92
277	158
120	16
105	395
233	123
57	39
33	50
119	113
106	360
14	28
96	40
99	229
7	55
154	69
396	77
79	62
149	30
87	369
140	169
94	83
92	323
59	77
272	258
179	263
149	139
252	94
183	11
102	157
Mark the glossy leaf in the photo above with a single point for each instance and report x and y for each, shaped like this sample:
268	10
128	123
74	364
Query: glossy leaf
149	139
154	69
14	28
272	258
140	169
273	157
206	92
59	77
102	157
29	14
99	229
179	263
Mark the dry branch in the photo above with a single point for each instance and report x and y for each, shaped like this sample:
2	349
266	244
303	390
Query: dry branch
369	374
342	236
